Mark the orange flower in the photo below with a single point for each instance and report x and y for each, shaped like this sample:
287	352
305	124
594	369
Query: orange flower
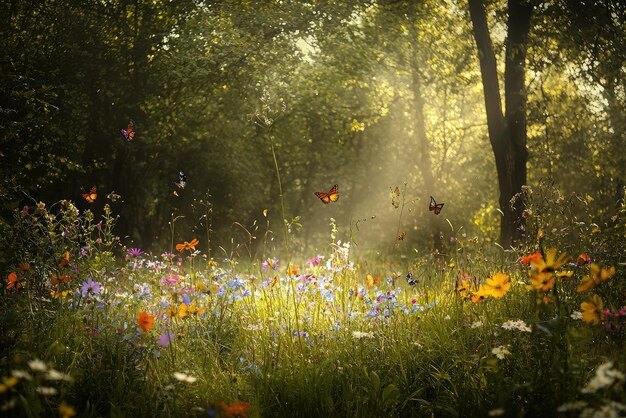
531	257
146	321
12	277
65	260
235	409
593	310
292	271
187	245
64	278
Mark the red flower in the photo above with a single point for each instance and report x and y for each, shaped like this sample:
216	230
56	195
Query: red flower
531	257
235	409
146	321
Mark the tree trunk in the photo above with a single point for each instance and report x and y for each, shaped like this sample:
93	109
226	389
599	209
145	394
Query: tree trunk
507	134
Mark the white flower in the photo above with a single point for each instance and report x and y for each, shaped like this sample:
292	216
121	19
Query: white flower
47	391
500	352
518	325
476	324
577	315
37	365
360	334
496	412
182	377
572	406
447	317
21	374
57	375
605	376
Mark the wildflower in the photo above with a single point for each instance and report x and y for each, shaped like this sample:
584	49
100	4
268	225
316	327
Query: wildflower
314	261
593	310
170	280
47	391
564	274
476	324
605	376
498	285
292	271
551	263
531	257
182	377
235	409
57	375
572	406
360	334
65	260
165	339
12	278
595	277
480	295
90	286
64	278
541	282
187	245
576	315
270	263
518	325
145	321
8	383
66	411
500	352
583	259
496	412
135	252
37	365
21	374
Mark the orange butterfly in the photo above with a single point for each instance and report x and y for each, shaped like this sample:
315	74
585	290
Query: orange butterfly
129	133
331	196
91	196
434	206
401	236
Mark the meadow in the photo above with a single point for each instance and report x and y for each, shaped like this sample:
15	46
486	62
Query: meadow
93	328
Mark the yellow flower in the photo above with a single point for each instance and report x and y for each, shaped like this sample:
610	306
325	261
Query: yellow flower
480	295
498	285
193	310
593	310
8	383
564	274
66	411
550	263
182	310
541	282
595	277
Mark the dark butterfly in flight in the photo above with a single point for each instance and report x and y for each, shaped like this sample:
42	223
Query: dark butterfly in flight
410	280
129	132
331	196
434	206
91	195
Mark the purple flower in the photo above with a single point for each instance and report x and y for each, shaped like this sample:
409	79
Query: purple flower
168	255
165	339
90	286
270	263
170	280
135	252
314	261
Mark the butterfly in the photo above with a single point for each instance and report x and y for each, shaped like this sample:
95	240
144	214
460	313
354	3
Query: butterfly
434	206
331	196
410	280
129	133
371	280
401	236
182	180
91	196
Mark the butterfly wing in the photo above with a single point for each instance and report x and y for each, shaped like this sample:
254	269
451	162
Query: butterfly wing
333	194
131	131
434	206
124	133
91	196
324	197
410	280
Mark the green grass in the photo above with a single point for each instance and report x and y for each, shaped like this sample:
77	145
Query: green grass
317	343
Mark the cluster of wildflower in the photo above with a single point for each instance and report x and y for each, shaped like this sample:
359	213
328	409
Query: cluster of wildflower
495	287
516	325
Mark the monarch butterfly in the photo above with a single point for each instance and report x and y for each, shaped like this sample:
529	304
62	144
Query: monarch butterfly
434	206
129	133
410	280
331	196
91	196
182	180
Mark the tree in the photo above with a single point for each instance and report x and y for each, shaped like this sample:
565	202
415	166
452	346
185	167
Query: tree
507	130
